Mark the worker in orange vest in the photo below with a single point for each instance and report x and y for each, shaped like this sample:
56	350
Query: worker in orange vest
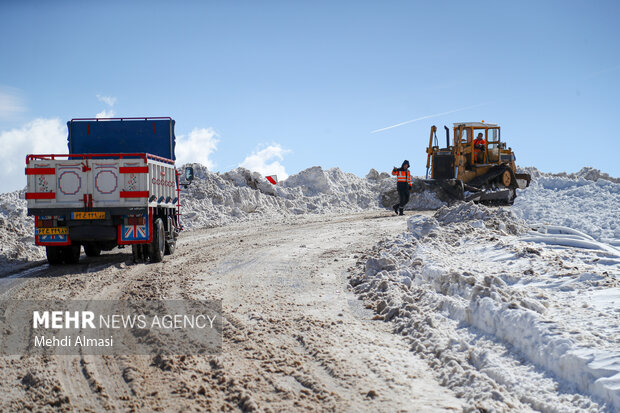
479	144
403	184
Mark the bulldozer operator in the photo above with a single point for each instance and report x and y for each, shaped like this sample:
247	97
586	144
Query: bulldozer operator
403	185
479	144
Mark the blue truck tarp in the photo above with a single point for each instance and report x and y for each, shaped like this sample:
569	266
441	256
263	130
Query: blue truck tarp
143	135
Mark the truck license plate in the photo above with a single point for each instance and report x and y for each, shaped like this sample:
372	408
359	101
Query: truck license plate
88	215
53	231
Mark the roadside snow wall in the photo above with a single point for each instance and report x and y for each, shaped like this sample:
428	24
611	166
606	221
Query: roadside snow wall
510	318
215	199
588	201
16	232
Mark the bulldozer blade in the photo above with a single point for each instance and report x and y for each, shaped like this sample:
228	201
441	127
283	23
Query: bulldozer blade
523	180
446	190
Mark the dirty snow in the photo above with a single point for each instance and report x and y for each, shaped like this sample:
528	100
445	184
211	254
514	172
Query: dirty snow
215	199
514	309
517	308
16	232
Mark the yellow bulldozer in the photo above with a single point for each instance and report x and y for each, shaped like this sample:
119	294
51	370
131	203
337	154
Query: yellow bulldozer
476	167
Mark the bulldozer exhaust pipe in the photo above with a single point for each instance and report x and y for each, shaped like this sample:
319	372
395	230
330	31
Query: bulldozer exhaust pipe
447	136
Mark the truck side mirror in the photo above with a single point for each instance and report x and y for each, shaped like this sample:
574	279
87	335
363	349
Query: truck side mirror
189	174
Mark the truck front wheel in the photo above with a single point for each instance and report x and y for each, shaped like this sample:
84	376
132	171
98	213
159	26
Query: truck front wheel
158	245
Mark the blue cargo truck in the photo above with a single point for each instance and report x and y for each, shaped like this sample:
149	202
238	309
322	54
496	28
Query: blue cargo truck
117	186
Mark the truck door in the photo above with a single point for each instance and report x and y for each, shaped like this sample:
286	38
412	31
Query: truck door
105	182
71	183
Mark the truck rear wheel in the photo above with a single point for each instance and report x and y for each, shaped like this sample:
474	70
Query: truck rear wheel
140	252
54	255
92	250
71	253
171	239
158	246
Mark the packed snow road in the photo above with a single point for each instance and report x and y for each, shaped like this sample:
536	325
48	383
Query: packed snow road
295	337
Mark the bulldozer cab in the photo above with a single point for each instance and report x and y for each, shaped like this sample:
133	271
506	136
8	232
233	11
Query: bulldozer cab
465	134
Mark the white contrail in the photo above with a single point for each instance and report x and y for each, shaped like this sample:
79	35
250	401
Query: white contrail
427	116
600	72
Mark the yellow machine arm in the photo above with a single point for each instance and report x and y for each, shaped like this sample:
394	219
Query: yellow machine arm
429	150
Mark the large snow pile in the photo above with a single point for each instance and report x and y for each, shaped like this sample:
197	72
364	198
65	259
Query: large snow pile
587	172
16	232
588	201
510	318
215	199
422	197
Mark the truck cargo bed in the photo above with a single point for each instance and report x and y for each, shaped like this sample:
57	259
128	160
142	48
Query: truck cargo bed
93	181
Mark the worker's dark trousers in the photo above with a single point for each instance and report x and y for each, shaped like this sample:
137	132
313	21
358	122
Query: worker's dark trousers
403	194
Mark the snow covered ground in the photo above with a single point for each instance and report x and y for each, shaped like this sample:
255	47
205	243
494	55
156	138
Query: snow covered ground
514	309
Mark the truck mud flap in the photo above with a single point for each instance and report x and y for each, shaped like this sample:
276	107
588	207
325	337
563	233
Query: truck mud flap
136	229
50	239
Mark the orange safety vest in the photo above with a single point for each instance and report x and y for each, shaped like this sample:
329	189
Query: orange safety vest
478	142
402	176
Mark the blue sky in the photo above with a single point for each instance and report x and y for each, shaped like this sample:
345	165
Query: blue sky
281	86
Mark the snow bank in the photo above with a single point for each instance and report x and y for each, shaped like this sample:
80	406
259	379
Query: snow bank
423	196
588	201
215	199
506	324
16	232
587	172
